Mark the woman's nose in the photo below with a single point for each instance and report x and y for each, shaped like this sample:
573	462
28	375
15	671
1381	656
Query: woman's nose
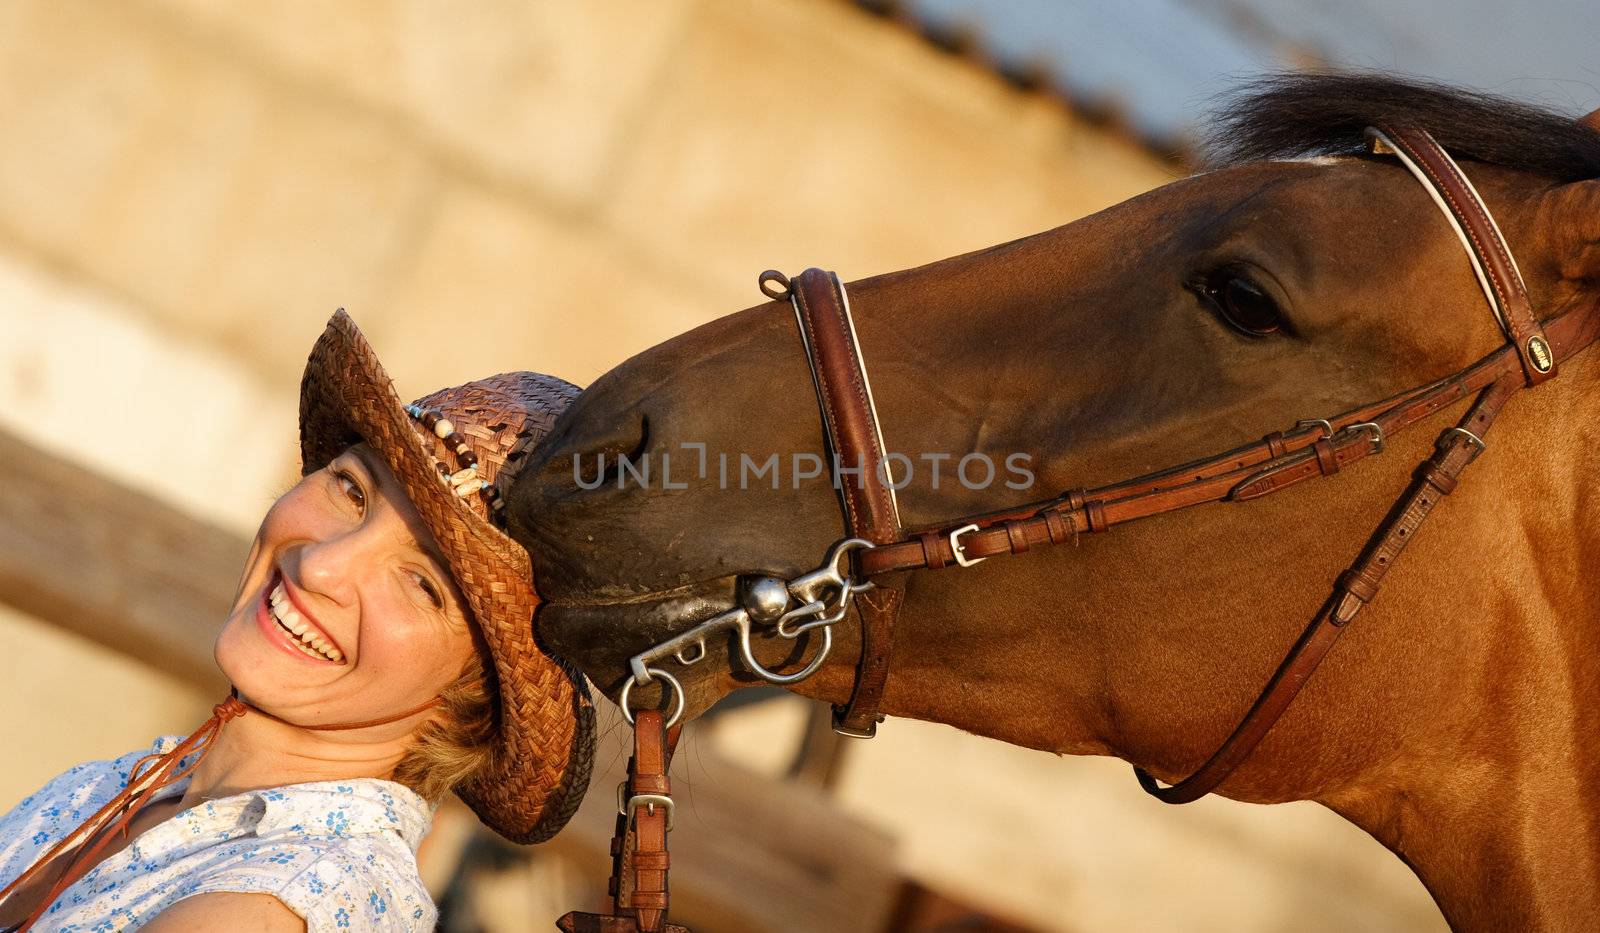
333	566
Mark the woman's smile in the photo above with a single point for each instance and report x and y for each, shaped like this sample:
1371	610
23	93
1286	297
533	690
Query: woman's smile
345	577
287	625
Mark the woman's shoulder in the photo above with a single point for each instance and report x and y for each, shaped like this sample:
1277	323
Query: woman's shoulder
345	809
340	854
40	819
363	882
358	884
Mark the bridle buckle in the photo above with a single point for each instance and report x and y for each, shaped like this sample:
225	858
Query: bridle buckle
1373	428
959	551
626	806
1472	439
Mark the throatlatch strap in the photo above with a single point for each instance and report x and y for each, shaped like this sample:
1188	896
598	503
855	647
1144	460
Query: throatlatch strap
1434	479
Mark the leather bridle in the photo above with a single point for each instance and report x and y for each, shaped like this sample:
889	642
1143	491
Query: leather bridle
1280	459
880	546
869	564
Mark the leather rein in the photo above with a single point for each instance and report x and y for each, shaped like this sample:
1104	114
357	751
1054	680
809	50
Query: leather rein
858	568
877	544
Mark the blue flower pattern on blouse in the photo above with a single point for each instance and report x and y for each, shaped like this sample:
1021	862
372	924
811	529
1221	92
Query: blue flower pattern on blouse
342	855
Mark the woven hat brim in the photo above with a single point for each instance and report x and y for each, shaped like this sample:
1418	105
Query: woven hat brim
546	728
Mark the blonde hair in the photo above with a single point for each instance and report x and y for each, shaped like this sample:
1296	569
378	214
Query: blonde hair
459	741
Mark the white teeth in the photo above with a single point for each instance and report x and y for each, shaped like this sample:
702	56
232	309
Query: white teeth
290	620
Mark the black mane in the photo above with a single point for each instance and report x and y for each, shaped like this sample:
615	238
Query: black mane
1293	115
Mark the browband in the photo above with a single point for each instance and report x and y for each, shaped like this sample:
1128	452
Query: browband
1480	237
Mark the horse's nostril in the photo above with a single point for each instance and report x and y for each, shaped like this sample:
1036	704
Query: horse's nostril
600	461
644	438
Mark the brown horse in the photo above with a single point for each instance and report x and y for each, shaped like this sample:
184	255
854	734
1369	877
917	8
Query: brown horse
1302	279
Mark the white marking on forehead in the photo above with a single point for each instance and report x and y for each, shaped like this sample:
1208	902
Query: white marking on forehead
1320	159
1301	160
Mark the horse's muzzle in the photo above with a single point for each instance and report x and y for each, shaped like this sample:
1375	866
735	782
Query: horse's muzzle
599	637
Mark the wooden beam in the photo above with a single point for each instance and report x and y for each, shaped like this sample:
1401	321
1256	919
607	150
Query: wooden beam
113	564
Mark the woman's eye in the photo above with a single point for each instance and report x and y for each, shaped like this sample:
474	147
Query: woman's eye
1242	303
428	587
352	490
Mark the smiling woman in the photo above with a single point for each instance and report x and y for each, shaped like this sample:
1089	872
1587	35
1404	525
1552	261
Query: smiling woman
381	653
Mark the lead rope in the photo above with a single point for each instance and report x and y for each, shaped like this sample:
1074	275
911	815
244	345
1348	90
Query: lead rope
639	858
148	775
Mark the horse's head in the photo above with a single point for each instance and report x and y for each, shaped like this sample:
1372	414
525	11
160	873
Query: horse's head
1302	279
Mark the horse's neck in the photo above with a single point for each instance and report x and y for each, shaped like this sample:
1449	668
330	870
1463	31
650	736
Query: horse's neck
1498	849
1496	818
1494	806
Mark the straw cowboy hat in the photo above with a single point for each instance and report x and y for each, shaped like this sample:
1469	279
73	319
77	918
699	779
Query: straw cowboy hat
452	451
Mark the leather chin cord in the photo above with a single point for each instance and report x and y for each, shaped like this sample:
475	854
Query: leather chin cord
147	776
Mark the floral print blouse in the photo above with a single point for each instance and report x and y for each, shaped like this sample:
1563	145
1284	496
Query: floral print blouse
341	854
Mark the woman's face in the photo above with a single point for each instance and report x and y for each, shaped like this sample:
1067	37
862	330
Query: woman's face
347	611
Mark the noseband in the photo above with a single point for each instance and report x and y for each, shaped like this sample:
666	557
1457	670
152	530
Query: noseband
876	544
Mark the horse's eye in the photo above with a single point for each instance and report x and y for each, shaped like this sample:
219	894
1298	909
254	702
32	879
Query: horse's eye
1245	305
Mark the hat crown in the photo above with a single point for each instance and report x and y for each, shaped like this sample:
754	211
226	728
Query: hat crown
502	418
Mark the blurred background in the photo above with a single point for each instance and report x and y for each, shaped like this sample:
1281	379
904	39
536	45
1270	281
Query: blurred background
188	188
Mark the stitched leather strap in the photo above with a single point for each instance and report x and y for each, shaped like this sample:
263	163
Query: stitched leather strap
1357	586
1487	250
1243	473
639	858
646	859
844	395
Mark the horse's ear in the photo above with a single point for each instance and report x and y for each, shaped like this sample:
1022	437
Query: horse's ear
1592	121
1569	218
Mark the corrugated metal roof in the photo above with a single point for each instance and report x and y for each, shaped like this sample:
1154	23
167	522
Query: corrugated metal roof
1161	64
